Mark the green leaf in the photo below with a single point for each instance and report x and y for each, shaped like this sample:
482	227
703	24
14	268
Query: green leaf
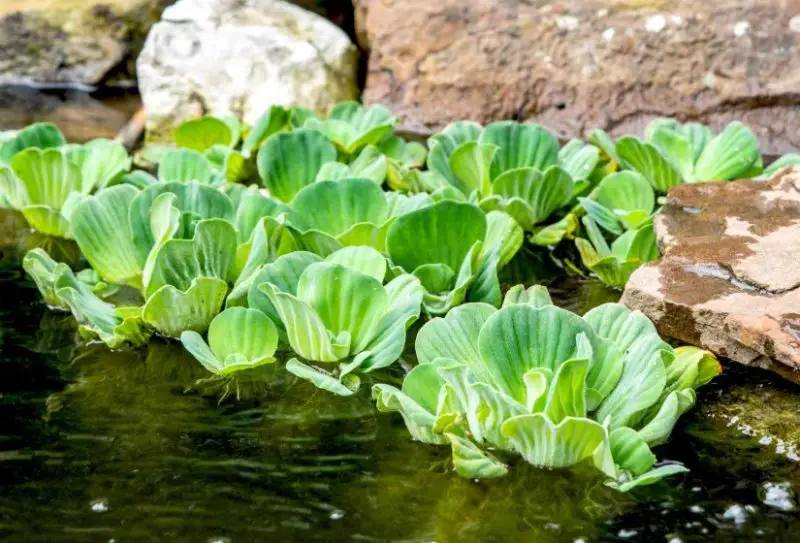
203	133
625	191
334	207
105	164
645	159
12	188
543	443
47	175
659	428
652	476
503	239
643	377
101	229
192	198
37	135
455	336
252	208
287	162
543	192
566	396
139	179
47	221
536	296
370	164
114	327
520	145
171	311
346	386
601	140
444	143
519	338
470	163
729	155
43	270
284	273
347	301
239	332
351	126
578	159
630	451
184	165
442	233
470	461
361	258
789	159
405	299
274	120
676	148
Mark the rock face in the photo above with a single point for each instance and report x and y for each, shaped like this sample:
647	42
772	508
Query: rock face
72	42
729	279
239	57
575	65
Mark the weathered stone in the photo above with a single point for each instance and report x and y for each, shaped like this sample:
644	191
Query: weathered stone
239	57
72	42
729	279
79	116
576	65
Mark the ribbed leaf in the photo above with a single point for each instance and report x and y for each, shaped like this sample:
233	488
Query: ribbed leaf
284	274
203	133
729	155
455	336
470	461
274	120
287	162
244	332
47	220
347	301
44	270
184	165
470	163
171	311
520	145
645	159
101	229
520	337
334	207
630	451
543	443
543	192
626	191
47	175
578	159
441	233
536	296
443	144
37	135
347	385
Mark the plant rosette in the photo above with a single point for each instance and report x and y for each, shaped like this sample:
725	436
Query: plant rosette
551	386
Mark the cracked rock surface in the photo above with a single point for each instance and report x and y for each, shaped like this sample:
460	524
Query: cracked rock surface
238	57
575	65
729	278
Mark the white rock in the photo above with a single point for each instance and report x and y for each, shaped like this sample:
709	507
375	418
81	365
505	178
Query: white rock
238	57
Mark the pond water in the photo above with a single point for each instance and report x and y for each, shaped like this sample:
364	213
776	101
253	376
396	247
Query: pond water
125	446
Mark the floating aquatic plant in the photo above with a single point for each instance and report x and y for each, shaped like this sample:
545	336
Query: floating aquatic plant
558	389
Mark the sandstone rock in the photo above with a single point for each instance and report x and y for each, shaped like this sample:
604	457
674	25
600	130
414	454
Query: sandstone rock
575	65
239	57
729	279
74	42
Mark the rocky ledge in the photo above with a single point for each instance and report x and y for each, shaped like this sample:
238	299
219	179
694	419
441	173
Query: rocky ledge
729	280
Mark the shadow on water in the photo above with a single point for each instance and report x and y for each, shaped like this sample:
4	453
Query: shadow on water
127	446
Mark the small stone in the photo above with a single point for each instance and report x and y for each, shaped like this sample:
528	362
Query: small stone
655	23
567	22
741	28
608	34
794	23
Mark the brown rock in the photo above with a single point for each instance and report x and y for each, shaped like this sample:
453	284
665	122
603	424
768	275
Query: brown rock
729	279
575	65
72	42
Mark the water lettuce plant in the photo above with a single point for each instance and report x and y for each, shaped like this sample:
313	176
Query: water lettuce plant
510	166
337	310
351	126
45	178
455	249
555	388
673	153
329	215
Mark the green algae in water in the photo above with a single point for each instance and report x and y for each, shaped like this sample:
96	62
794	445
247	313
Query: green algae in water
98	445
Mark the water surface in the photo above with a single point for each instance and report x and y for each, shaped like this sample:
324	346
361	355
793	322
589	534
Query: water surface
125	446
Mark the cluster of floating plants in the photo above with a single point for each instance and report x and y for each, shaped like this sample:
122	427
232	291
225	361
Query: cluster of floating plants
249	242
